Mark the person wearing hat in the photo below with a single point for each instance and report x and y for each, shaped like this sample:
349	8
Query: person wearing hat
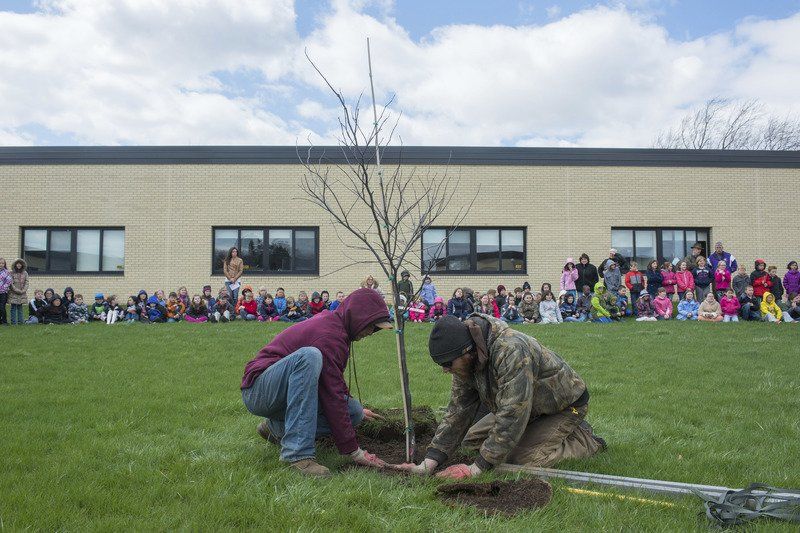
538	403
691	259
721	255
404	286
613	257
296	383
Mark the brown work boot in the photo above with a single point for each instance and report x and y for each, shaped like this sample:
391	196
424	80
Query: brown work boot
266	434
309	467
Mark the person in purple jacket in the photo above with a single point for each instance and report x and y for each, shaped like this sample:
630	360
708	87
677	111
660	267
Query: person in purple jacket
791	280
297	383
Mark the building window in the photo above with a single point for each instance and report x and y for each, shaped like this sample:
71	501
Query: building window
74	250
474	250
269	250
664	244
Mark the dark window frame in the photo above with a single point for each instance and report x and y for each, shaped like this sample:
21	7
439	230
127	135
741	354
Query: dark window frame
264	271
473	251
659	238
73	256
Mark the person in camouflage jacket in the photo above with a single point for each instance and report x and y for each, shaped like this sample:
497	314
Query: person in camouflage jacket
537	402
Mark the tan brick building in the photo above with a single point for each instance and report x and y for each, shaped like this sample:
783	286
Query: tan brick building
116	220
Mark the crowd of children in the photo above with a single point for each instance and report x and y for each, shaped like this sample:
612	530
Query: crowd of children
695	291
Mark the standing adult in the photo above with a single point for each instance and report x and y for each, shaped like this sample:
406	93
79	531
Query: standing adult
18	292
371	283
297	383
5	285
721	255
538	402
233	268
614	257
587	272
694	255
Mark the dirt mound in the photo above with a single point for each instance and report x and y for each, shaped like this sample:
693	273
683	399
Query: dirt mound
499	497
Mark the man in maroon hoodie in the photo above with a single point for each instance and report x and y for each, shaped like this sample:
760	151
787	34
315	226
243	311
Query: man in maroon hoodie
302	371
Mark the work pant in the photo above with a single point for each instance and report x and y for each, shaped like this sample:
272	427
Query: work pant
286	394
547	439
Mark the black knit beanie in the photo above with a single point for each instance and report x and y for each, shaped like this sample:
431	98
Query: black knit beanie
449	338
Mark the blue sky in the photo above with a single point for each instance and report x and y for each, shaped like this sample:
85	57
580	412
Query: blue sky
525	73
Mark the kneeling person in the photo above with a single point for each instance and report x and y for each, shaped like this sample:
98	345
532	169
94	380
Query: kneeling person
537	402
296	382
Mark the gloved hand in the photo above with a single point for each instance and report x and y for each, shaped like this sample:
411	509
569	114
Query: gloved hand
460	471
364	458
371	415
425	468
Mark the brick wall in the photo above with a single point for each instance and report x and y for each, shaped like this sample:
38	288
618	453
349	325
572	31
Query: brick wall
168	212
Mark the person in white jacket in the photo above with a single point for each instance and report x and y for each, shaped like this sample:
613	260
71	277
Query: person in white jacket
548	308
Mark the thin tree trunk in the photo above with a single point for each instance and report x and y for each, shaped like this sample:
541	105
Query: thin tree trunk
400	334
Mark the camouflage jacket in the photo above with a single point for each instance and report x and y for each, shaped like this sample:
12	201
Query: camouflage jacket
520	380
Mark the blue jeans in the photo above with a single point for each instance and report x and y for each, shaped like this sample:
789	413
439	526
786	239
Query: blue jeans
287	395
16	314
518	320
750	312
234	295
603	320
244	314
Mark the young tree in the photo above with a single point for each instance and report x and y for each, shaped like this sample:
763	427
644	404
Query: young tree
399	205
722	124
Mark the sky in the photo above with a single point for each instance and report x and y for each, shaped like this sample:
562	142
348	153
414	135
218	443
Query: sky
501	73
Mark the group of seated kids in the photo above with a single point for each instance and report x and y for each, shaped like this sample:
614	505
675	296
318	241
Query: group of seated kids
693	292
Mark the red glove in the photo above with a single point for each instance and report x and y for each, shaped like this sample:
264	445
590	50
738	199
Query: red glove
460	471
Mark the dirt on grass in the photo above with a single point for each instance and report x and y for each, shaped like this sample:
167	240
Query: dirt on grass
499	497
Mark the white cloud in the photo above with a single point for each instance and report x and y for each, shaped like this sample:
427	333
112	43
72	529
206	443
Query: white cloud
148	72
141	71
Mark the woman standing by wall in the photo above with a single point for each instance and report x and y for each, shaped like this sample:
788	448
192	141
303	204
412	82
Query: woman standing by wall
233	267
18	295
5	285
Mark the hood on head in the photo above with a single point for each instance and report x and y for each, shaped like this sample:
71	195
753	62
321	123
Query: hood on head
315	295
569	260
142	292
362	308
769	297
438	300
19	260
599	288
152	300
760	262
56	298
69	289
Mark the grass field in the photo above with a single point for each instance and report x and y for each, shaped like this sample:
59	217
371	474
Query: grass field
142	428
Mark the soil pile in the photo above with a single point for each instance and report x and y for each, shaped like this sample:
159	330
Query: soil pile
499	497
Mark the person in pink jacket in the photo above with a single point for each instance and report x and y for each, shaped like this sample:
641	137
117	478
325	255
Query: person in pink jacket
438	309
663	305
568	277
684	279
722	279
668	280
730	306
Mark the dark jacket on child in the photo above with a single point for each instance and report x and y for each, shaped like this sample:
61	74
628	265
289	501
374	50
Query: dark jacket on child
197	312
268	311
35	306
739	284
654	279
54	314
511	313
702	276
457	307
584	303
777	288
97	309
568	309
78	312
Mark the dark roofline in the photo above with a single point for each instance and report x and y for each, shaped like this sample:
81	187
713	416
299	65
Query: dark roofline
422	155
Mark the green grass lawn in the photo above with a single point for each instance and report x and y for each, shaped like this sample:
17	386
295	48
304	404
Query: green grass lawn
142	428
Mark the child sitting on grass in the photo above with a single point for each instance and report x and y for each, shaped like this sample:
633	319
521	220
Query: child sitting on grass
710	310
222	309
267	312
529	309
622	301
603	310
141	305
248	309
78	311
98	310
438	310
548	309
55	313
316	306
280	301
114	312
645	311
511	312
197	312
750	309
456	304
334	304
303	304
730	306
175	308
292	313
417	310
769	308
569	310
794	307
209	300
584	303
131	313
663	305
183	297
35	306
688	308
155	312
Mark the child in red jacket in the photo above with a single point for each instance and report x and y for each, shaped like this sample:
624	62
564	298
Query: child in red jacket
316	305
760	280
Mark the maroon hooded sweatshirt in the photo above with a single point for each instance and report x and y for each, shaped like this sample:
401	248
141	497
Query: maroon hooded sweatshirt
331	334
